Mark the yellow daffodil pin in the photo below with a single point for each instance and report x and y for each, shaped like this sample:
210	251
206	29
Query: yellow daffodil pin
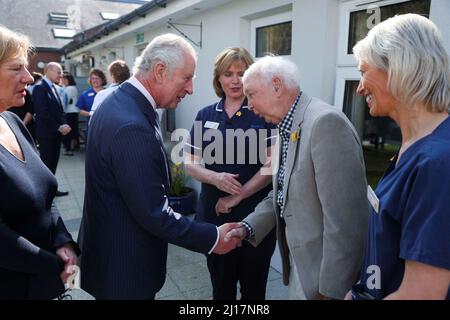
294	136
239	113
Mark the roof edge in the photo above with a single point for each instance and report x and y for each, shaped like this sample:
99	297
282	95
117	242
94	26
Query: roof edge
48	49
87	36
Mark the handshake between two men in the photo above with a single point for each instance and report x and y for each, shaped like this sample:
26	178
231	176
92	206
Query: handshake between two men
230	236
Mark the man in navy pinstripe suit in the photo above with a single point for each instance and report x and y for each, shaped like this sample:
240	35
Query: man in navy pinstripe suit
127	221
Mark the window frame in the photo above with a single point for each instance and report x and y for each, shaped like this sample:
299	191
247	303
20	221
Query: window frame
346	8
343	75
61	33
58	18
266	22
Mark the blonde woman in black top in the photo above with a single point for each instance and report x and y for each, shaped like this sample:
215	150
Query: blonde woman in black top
36	250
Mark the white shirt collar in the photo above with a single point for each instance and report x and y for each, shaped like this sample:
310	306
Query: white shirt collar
49	82
138	85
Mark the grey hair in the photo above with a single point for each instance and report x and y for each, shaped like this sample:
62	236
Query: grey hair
409	48
269	67
168	49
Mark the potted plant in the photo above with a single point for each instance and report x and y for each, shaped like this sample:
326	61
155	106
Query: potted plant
181	197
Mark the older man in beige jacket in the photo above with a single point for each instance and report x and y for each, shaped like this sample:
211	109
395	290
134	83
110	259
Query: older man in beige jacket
318	203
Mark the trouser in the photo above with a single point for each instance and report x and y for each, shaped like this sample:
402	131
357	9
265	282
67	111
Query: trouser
72	121
247	264
49	149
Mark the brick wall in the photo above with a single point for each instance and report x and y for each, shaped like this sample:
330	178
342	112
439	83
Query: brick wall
45	57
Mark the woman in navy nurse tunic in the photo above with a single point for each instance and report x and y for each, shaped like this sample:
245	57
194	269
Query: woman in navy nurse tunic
232	179
405	76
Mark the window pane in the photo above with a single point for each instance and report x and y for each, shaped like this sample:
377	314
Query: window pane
354	106
63	33
358	20
275	39
56	18
371	130
109	15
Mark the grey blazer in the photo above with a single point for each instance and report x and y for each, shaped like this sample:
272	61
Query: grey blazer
326	210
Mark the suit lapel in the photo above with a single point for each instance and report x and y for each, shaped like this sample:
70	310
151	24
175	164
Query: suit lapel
51	94
149	112
144	105
292	149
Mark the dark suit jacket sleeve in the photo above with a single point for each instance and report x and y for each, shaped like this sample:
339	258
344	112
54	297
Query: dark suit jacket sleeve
341	187
140	172
19	254
60	234
52	117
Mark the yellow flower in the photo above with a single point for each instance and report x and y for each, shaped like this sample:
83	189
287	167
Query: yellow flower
294	136
239	113
177	186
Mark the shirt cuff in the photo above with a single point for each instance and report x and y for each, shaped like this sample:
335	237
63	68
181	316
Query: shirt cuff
217	241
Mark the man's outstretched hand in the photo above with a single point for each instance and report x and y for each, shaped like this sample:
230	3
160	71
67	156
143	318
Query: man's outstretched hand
239	232
226	244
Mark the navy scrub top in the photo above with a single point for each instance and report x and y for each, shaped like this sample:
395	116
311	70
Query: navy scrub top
208	136
413	220
86	99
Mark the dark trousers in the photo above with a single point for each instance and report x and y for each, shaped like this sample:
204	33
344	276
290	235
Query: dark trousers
72	121
49	149
247	264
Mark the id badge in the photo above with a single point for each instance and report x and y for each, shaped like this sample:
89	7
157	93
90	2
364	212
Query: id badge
211	125
373	199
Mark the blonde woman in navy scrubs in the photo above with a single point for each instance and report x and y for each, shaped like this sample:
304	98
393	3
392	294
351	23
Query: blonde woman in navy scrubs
232	183
405	76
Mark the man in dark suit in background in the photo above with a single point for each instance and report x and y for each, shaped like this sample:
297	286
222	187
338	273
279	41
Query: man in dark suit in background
25	113
50	120
127	222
